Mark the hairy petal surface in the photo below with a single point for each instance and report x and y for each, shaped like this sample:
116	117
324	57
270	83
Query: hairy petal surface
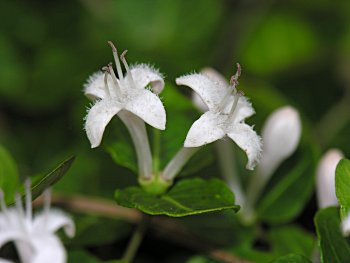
147	106
144	75
211	91
97	119
247	139
206	129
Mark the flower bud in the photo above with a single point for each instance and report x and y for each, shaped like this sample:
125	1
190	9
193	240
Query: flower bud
281	135
345	225
325	178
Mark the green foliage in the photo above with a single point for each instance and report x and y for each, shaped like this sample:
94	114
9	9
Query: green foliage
8	174
342	186
291	258
281	204
187	197
334	247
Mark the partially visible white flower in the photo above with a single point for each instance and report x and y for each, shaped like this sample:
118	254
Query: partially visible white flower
228	109
34	237
325	178
129	93
281	135
345	225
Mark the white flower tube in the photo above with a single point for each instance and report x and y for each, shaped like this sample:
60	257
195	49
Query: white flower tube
345	225
325	178
280	134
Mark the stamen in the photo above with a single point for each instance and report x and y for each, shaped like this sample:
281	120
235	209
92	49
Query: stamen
47	205
28	199
2	201
105	79
233	111
19	205
115	81
122	58
231	89
116	59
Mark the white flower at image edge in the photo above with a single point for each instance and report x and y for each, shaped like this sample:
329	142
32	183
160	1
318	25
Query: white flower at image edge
128	93
227	110
34	237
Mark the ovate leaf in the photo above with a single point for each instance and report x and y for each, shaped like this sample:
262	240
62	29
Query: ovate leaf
334	247
342	186
187	197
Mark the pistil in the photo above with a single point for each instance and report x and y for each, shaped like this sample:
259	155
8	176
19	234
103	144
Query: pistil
128	72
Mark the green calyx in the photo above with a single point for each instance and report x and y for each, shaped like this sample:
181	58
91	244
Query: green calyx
156	185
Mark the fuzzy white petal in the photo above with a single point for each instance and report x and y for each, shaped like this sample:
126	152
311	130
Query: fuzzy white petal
95	87
48	249
52	221
247	139
7	235
206	129
214	75
212	92
97	119
147	106
144	75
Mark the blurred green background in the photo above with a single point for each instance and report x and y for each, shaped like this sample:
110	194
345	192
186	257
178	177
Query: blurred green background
292	51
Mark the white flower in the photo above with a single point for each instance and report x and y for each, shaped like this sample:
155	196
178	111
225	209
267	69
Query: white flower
115	95
325	178
345	225
281	134
227	111
34	237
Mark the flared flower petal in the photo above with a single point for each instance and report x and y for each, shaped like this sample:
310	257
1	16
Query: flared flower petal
144	75
206	129
7	235
94	89
147	106
247	139
52	221
48	249
97	119
212	92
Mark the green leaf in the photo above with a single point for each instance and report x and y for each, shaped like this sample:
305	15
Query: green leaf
291	258
86	257
342	186
334	247
43	182
187	197
281	204
119	145
291	239
8	174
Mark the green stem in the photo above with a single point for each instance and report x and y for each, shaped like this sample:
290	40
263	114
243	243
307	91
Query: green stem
135	241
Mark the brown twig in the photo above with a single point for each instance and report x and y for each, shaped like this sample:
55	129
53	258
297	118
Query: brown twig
164	227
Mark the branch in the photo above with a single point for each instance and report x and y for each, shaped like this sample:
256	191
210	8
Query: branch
164	227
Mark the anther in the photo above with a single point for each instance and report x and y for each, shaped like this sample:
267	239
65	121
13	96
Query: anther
110	43
122	56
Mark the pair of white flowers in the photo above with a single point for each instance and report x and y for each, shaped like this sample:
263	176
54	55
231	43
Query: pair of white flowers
34	237
134	98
